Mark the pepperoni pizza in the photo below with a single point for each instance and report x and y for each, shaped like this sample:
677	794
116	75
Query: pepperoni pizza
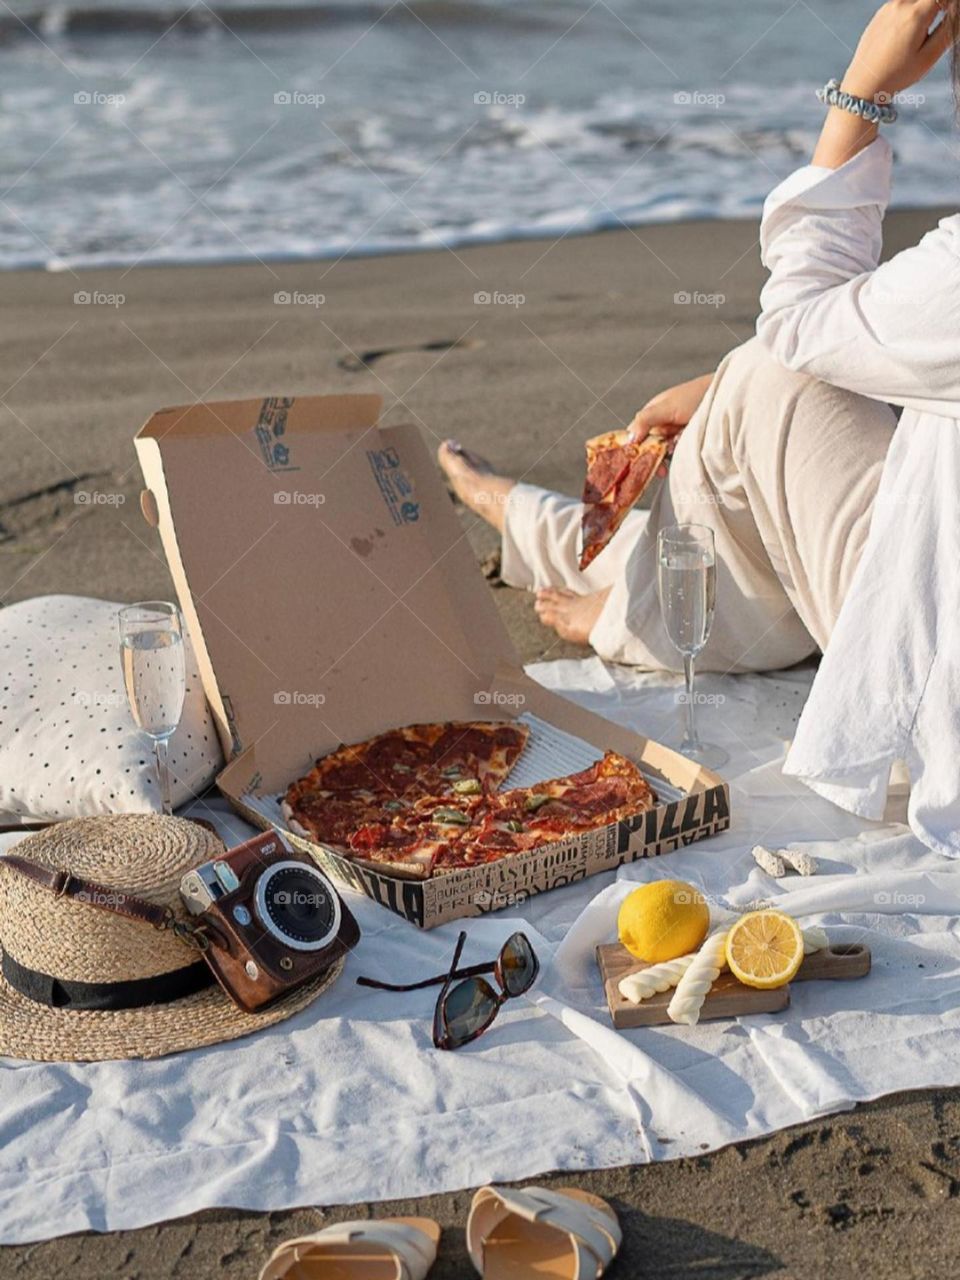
425	800
619	470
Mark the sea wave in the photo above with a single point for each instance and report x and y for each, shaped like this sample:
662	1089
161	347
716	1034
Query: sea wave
667	207
397	137
55	20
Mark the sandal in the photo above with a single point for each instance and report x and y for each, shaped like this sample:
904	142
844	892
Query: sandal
537	1234
375	1249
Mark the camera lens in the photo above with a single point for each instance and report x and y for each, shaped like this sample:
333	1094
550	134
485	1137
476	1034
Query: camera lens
297	905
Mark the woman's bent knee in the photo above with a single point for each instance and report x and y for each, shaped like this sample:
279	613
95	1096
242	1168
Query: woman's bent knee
753	393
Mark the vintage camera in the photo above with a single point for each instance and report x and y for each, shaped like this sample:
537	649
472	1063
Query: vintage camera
268	920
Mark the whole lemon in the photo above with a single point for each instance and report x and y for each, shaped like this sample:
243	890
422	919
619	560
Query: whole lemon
663	920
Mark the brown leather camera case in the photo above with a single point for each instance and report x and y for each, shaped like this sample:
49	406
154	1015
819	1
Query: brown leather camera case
253	967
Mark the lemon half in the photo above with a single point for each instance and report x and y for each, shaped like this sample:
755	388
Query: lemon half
764	949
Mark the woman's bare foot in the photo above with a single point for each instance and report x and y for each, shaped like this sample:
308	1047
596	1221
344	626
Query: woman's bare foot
475	482
573	617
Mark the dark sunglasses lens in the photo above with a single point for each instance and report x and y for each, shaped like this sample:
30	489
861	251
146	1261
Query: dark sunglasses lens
518	965
469	1008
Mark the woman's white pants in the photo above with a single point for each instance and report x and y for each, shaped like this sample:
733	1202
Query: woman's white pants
783	468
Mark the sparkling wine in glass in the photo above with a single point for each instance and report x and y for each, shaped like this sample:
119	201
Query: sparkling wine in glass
687	585
151	655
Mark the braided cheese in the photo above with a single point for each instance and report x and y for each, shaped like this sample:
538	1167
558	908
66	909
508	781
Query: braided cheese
658	977
699	978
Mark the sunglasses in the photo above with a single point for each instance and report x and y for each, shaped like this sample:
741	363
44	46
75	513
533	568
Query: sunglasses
467	1004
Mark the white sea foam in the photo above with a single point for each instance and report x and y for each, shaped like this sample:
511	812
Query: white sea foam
474	122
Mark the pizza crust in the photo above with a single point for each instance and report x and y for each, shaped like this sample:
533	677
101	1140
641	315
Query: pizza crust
409	870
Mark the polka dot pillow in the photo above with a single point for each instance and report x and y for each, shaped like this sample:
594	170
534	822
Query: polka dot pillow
68	743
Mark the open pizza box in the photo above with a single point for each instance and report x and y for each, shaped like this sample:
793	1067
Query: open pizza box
331	594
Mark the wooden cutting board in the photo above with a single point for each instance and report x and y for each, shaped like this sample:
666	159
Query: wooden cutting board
728	998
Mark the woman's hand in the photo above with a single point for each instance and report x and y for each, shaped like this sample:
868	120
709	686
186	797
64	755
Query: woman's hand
671	410
897	49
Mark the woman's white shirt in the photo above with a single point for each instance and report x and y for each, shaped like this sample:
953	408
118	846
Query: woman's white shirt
888	687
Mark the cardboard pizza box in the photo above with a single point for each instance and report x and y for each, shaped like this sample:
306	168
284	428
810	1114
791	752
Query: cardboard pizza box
331	594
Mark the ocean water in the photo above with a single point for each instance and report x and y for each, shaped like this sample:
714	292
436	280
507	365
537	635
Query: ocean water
145	131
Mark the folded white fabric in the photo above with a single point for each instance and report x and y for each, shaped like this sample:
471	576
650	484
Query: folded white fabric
68	743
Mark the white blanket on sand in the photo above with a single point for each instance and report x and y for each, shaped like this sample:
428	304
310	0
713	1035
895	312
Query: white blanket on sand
349	1102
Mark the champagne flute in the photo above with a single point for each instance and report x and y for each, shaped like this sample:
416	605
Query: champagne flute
687	585
151	655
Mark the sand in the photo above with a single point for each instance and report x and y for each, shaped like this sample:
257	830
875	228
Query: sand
599	329
871	1194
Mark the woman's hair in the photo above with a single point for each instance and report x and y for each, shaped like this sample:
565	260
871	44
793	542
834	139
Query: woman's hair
952	16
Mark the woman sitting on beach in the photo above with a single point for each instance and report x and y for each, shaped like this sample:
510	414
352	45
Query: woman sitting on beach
831	521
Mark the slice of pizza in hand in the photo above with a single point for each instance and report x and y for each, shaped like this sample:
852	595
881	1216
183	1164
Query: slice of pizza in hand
619	470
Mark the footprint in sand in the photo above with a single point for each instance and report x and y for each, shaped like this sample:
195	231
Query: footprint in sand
358	362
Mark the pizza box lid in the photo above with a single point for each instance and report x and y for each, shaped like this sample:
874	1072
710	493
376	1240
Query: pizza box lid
327	585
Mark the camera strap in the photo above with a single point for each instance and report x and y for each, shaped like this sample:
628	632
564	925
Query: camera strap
66	885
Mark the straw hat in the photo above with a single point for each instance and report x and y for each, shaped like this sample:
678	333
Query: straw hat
145	855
